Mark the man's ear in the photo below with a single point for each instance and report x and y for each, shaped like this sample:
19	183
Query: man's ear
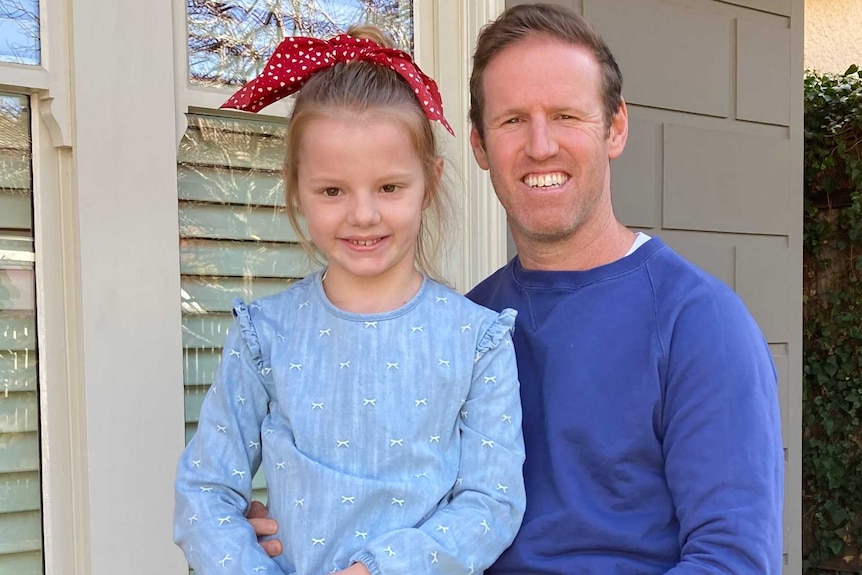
619	132
478	148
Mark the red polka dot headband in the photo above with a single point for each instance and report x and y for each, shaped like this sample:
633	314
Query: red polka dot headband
296	59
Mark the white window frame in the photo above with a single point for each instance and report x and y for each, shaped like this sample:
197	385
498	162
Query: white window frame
62	478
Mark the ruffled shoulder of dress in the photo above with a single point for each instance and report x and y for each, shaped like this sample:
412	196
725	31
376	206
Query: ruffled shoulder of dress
500	329
249	335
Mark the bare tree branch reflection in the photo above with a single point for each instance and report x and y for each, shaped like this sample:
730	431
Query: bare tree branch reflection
230	40
22	47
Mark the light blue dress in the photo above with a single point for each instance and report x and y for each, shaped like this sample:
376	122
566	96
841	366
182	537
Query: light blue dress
393	439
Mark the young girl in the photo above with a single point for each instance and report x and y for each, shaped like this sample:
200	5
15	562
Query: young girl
383	406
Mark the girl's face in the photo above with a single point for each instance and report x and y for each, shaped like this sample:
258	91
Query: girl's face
361	189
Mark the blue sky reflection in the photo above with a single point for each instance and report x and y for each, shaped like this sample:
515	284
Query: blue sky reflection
19	32
230	40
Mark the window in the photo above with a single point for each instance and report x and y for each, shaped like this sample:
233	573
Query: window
19	32
20	486
230	42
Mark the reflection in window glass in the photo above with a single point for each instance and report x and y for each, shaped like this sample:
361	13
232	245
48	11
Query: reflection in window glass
20	493
230	40
19	31
235	239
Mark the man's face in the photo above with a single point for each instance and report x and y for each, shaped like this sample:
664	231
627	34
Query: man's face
546	143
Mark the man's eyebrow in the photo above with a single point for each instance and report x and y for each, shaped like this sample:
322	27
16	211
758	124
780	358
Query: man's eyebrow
572	109
506	113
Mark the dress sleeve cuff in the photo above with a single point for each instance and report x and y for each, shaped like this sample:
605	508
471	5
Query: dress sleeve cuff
367	559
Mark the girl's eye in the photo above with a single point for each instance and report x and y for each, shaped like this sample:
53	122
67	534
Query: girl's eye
389	188
331	192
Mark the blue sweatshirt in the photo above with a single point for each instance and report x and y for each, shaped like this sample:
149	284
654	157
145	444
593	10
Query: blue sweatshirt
651	421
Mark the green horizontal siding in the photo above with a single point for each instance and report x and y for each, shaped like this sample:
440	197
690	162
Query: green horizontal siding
222	185
194	397
17	332
20	532
242	259
17	371
20	452
28	563
205	331
17	289
19	412
19	492
216	294
200	365
15	210
237	150
232	222
19	242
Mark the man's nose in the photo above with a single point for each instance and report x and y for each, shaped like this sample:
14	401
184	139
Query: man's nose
542	143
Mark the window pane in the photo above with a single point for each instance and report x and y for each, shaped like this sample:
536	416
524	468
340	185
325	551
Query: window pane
230	40
20	491
235	240
19	31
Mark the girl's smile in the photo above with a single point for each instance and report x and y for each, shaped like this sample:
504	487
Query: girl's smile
364	243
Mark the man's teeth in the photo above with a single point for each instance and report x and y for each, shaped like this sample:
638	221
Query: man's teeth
546	180
364	242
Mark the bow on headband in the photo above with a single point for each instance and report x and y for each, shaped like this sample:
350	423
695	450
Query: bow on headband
296	59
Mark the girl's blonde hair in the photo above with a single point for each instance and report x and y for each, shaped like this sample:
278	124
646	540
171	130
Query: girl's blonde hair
359	87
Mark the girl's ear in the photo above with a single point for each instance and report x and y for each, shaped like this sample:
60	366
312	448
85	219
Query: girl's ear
297	205
438	178
290	199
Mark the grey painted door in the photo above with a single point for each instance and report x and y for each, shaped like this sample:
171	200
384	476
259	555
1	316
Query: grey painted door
713	163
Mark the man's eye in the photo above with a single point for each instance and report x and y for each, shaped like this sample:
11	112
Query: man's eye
331	192
512	121
389	188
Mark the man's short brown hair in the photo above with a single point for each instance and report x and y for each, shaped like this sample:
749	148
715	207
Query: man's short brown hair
527	20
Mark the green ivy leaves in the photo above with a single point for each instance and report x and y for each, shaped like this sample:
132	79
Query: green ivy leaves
832	329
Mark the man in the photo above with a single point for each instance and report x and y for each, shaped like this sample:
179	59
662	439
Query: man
650	412
650	400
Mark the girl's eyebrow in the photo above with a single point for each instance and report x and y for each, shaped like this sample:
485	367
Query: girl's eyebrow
387	177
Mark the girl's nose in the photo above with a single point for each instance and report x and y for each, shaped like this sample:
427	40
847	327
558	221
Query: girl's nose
364	210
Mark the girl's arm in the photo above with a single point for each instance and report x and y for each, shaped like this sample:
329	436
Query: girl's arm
487	503
213	487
